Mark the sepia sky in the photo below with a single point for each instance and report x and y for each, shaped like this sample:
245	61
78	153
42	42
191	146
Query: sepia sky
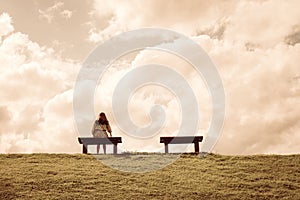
254	44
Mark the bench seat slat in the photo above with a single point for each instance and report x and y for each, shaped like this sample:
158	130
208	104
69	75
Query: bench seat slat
91	140
181	139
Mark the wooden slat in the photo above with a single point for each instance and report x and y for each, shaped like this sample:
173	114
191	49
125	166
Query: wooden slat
92	140
181	139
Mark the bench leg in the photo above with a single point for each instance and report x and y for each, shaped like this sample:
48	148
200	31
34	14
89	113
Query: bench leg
115	149
196	147
84	148
166	148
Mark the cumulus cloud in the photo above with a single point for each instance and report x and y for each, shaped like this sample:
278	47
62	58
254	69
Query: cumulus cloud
254	44
261	98
34	82
188	17
256	49
6	26
262	23
294	37
146	97
251	22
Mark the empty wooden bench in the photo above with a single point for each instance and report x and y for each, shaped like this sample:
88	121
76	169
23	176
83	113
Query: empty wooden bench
181	140
85	141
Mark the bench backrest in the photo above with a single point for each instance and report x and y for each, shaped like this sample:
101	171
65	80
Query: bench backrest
92	140
181	139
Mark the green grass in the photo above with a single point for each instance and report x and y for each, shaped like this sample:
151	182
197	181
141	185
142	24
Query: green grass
62	176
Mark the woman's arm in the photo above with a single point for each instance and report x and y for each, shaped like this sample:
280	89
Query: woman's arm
93	129
109	129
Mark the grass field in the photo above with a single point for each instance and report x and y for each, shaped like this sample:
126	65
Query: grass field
62	176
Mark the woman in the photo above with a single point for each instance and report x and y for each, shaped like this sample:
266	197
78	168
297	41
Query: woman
100	129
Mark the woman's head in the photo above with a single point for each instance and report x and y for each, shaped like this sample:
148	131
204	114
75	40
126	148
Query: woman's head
102	118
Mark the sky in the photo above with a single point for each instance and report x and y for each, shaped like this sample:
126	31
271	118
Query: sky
254	44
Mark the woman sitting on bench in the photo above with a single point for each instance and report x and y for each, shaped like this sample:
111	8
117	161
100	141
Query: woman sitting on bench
100	129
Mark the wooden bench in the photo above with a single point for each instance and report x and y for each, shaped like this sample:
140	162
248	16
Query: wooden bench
85	141
181	140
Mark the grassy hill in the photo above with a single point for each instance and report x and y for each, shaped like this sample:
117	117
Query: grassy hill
62	176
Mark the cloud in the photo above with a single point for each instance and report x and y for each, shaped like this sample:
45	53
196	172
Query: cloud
5	25
255	46
34	82
263	23
56	10
294	36
5	118
67	14
248	22
49	13
261	94
191	16
145	98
